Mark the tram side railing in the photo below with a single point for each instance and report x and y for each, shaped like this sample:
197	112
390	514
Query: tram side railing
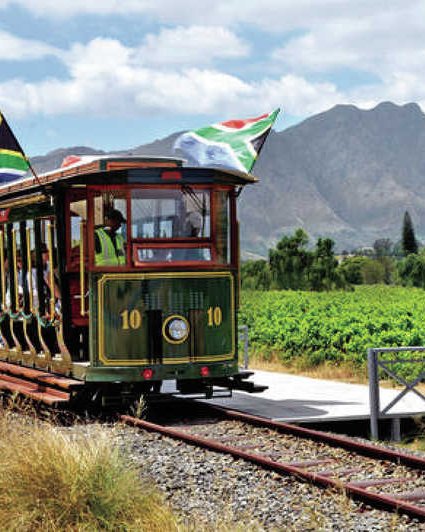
387	366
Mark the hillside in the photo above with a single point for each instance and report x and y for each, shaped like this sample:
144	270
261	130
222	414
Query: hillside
346	173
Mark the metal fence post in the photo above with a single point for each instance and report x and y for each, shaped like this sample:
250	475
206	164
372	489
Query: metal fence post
372	362
396	429
245	347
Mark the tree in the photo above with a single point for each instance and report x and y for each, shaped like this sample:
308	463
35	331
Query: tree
412	270
352	269
255	275
290	260
373	272
409	242
383	247
323	274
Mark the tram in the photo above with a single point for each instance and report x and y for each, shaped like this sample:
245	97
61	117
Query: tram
122	273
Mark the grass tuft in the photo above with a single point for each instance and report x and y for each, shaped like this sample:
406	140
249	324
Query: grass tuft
51	480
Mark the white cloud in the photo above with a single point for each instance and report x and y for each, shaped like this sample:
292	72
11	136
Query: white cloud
108	78
126	90
16	49
190	45
375	44
174	70
386	45
99	56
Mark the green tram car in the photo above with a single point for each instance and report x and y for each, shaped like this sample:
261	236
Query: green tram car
160	304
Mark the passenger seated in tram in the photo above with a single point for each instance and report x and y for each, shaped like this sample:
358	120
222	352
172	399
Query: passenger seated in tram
46	281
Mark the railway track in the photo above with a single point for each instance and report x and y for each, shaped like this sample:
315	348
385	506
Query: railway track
377	476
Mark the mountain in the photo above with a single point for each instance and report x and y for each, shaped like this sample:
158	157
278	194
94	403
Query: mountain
347	173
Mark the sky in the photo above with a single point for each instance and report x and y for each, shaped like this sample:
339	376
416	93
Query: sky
114	74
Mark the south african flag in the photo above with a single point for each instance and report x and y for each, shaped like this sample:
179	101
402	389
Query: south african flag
13	163
232	144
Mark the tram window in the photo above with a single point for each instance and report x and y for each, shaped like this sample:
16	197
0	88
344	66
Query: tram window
223	226
49	255
173	255
110	238
78	219
167	214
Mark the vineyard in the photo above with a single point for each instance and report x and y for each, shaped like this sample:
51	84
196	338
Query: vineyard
333	327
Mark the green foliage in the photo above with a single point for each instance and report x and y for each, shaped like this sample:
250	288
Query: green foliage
351	269
383	247
412	270
334	326
408	236
373	272
294	267
323	273
255	275
364	270
290	261
389	267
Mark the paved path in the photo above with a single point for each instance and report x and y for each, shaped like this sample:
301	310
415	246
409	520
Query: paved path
302	399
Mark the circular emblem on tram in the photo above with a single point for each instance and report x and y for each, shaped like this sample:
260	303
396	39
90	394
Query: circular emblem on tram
175	329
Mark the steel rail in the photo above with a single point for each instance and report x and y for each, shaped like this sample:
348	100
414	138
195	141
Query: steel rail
350	444
383	501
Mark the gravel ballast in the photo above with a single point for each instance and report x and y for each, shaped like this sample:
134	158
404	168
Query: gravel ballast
206	487
213	491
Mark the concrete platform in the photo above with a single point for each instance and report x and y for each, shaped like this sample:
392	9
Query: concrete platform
305	400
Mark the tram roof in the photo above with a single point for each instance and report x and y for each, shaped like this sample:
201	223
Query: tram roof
124	170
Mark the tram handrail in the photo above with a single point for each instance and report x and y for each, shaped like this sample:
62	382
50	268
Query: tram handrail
15	270
82	273
3	272
29	262
51	272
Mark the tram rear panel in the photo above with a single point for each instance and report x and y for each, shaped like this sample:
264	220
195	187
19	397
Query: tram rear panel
169	321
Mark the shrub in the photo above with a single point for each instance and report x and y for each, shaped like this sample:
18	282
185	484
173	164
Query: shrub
53	481
336	327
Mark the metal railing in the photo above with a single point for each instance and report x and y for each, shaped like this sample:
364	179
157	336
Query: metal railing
387	366
244	328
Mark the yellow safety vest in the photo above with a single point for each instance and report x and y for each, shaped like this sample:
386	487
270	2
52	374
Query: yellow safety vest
109	255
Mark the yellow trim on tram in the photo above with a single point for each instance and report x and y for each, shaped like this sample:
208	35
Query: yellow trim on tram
163	275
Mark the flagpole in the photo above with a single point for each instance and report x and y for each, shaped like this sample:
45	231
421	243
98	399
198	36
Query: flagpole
20	147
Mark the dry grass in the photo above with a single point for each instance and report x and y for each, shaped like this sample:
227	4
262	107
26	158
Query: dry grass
54	480
51	480
329	371
415	441
348	509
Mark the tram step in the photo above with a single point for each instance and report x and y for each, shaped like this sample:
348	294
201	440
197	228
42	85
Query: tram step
33	390
40	376
243	375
